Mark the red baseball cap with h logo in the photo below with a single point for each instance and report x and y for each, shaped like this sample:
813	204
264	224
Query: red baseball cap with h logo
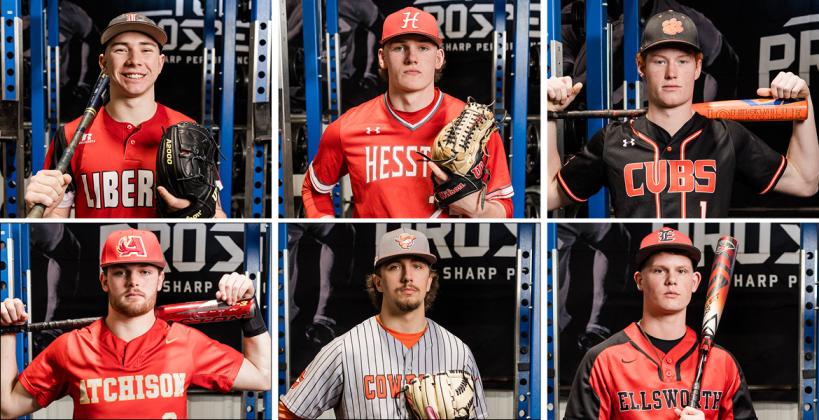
410	20
666	239
132	246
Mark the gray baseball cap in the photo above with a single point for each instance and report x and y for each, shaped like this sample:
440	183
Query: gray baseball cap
668	28
134	22
401	242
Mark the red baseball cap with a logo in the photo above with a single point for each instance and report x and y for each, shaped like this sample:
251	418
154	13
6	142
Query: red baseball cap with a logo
666	239
132	246
410	20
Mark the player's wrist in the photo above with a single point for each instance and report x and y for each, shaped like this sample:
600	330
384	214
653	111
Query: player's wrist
255	325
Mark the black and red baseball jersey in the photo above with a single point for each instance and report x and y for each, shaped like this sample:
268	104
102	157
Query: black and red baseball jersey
627	377
147	377
652	174
112	170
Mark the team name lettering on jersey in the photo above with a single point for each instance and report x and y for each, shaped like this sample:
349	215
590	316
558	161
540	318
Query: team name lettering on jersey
109	189
132	387
376	386
384	162
671	176
664	399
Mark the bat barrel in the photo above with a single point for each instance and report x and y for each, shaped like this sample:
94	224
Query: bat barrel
68	324
602	113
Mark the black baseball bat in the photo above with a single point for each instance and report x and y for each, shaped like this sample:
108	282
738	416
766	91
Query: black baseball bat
94	104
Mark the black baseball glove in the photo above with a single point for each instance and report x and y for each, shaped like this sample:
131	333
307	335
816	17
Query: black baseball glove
186	167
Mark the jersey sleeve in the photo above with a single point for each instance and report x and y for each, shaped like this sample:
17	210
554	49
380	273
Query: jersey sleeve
323	174
44	378
757	163
500	183
736	402
216	365
589	398
319	387
584	173
481	411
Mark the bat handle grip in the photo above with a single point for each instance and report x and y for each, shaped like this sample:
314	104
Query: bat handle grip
37	211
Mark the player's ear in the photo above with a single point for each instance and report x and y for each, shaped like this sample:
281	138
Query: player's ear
161	61
377	282
697	281
104	281
439	59
698	71
638	280
102	61
161	281
381	63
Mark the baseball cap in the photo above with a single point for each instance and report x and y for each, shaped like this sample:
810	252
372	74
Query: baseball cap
134	22
410	20
402	242
663	240
132	246
670	27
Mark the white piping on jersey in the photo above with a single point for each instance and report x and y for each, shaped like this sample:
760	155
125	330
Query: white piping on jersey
317	185
406	123
504	192
436	214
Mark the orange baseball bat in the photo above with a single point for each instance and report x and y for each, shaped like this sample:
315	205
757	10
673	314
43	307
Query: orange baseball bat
761	109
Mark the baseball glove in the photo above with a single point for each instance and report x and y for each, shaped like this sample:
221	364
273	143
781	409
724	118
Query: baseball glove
460	150
186	167
446	395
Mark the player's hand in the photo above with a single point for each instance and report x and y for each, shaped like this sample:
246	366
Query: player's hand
786	85
47	187
469	206
560	92
689	413
12	312
234	287
173	202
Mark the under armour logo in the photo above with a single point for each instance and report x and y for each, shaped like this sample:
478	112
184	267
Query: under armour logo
87	138
377	130
665	235
407	20
131	17
628	142
129	246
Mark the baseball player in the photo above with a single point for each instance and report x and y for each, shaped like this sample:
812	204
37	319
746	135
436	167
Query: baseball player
112	171
646	370
377	142
674	162
131	364
361	373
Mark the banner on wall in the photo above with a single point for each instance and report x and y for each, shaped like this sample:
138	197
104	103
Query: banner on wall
328	265
760	323
65	273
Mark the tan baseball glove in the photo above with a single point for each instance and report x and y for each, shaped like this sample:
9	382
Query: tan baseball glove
445	395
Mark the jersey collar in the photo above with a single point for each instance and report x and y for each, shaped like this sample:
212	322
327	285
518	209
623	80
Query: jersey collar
660	136
426	118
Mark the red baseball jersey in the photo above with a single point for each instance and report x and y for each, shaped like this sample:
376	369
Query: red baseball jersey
653	174
147	377
627	377
112	170
377	146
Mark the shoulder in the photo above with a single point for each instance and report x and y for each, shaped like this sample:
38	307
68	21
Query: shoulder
365	110
450	338
722	356
605	349
451	105
182	331
171	116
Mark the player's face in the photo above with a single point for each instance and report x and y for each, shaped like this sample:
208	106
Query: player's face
405	283
132	288
411	62
667	282
670	74
133	61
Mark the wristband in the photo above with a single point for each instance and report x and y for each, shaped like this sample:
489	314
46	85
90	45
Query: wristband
252	327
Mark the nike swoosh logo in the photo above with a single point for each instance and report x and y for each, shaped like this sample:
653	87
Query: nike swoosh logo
627	361
171	340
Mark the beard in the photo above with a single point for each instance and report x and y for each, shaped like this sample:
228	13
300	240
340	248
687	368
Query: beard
409	304
133	309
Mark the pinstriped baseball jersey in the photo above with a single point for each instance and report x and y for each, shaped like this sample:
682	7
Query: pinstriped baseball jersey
360	373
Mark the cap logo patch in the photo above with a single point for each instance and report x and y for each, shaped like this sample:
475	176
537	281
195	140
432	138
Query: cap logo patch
672	26
405	240
131	246
131	17
665	236
408	19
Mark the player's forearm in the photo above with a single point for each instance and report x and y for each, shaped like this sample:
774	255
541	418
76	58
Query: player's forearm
257	351
8	372
492	209
803	151
553	198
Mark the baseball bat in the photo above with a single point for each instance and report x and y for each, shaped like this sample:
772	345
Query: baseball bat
94	104
204	311
718	284
761	109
